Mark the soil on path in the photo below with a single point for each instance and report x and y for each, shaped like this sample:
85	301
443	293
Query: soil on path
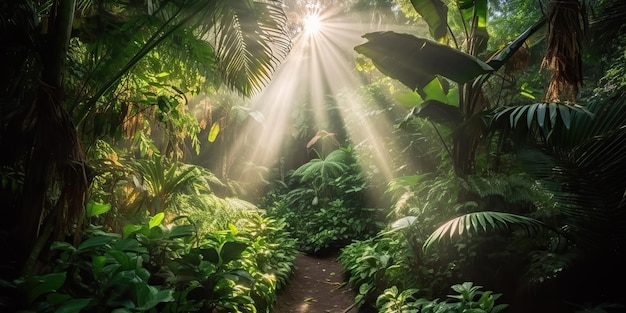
317	286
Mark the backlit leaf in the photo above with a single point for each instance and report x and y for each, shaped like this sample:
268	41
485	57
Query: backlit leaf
156	220
215	130
435	14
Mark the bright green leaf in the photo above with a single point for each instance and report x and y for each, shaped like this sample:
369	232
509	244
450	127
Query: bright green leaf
97	208
156	220
215	130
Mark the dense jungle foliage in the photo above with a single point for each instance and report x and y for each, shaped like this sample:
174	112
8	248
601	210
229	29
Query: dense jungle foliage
129	136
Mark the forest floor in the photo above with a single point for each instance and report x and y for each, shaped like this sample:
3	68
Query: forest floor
317	286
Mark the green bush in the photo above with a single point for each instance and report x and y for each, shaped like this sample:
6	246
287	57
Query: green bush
468	300
324	205
156	268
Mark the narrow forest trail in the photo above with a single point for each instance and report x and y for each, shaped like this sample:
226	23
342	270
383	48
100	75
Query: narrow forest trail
316	287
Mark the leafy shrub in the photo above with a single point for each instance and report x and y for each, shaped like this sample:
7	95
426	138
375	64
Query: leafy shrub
324	204
394	301
156	268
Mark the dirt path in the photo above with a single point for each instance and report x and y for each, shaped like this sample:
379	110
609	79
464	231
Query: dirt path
316	287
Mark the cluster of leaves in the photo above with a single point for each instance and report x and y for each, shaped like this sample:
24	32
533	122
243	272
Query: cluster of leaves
466	301
519	169
153	267
324	206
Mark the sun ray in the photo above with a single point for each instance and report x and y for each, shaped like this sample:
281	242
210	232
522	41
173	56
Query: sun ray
318	70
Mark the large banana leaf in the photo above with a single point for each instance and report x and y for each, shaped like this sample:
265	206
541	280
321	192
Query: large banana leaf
416	61
435	14
438	112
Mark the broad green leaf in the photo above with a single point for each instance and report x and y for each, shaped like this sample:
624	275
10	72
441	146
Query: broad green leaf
435	14
416	61
439	113
215	130
181	231
519	115
61	245
156	220
73	306
129	229
232	250
96	208
95	242
210	254
36	286
56	298
98	261
435	91
408	99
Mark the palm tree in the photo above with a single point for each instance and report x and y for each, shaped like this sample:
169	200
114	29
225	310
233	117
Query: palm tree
246	40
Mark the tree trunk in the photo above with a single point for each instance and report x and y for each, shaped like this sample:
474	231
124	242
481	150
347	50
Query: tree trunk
55	160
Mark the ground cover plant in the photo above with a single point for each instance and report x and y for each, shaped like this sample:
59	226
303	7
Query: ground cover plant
154	267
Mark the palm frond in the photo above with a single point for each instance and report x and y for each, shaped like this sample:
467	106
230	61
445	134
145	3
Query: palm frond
482	221
584	169
592	191
251	42
546	116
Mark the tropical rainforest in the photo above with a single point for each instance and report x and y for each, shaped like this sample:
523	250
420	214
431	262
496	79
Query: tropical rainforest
176	155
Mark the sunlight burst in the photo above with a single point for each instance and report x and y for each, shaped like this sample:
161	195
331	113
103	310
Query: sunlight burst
318	75
312	24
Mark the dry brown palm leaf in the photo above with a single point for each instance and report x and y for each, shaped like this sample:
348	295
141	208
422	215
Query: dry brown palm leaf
567	26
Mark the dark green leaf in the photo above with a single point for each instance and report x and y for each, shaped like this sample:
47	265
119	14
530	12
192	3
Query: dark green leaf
231	250
210	254
439	112
36	286
95	242
73	306
416	61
